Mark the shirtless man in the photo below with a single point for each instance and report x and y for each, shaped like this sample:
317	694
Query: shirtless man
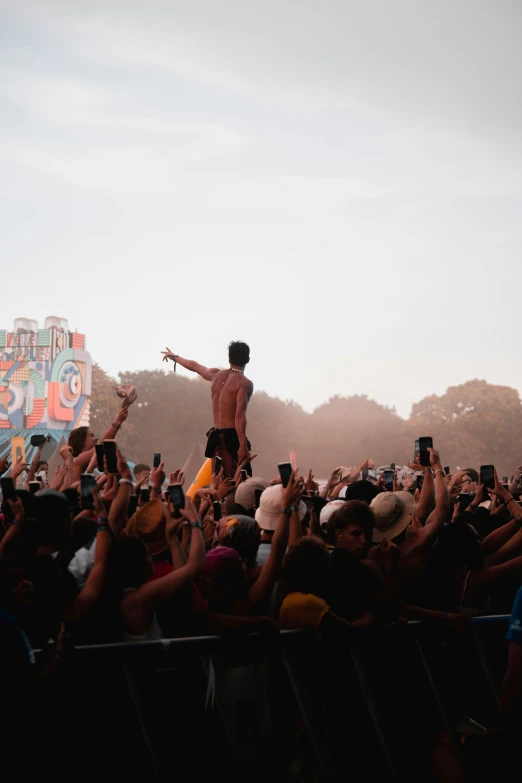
231	392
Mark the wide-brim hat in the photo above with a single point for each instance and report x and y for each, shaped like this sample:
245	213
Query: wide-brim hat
270	508
393	513
150	526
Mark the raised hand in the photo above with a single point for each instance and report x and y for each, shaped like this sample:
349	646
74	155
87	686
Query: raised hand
177	477
19	468
66	453
157	476
168	355
311	486
292	493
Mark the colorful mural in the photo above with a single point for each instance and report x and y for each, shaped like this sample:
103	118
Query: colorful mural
45	378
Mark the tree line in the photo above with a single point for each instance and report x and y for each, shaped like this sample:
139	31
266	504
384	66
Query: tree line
472	424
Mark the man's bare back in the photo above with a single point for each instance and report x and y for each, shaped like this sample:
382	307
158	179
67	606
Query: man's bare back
227	390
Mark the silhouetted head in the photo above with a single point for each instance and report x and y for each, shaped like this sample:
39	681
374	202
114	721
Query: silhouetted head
305	567
238	353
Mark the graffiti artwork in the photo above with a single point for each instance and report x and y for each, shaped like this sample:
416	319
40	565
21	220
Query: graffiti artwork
45	378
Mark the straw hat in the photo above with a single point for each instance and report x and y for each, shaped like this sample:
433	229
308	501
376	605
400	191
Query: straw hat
393	513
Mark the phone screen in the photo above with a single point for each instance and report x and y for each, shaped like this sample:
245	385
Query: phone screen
285	471
244	475
424	445
218	511
34	486
388	479
87	482
416	452
100	454
145	494
109	447
464	499
487	476
257	495
176	496
447	470
157	460
8	489
218	463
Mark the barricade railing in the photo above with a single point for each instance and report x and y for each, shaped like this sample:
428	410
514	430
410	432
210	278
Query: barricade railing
289	706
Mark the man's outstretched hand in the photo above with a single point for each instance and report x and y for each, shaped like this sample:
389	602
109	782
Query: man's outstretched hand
168	355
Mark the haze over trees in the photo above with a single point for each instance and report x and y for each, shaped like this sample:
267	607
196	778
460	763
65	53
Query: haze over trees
472	424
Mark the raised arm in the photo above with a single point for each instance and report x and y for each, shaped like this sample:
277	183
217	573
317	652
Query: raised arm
207	373
92	593
243	396
424	506
262	587
34	462
156	592
428	534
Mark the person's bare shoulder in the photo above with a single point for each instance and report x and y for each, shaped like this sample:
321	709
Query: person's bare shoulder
248	385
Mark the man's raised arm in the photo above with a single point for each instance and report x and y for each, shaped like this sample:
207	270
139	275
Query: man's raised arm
207	373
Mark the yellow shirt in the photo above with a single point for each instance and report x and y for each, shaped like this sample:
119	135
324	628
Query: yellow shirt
302	610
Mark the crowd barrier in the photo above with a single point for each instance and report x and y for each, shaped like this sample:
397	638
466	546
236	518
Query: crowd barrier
293	706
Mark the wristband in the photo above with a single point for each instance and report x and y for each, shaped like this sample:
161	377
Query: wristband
104	527
196	524
439	471
159	491
127	481
116	426
102	520
287	511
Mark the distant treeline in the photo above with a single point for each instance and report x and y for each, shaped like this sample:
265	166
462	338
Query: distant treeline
472	424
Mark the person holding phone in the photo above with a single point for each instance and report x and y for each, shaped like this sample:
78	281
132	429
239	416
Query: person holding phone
231	392
82	441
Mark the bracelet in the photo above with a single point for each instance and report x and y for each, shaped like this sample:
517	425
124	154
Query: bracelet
159	491
196	524
101	528
287	511
116	426
439	471
127	481
102	520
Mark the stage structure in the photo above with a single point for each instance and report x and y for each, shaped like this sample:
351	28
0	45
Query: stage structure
45	384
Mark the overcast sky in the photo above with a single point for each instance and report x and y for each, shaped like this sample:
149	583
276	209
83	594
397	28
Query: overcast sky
339	183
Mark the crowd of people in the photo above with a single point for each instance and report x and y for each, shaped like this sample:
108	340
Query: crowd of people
249	553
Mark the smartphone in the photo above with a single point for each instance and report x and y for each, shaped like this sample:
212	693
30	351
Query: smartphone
218	464
8	489
424	445
218	511
100	455
34	486
176	496
364	474
464	499
157	460
87	482
388	479
416	451
392	466
487	476
257	496
285	471
447	470
38	440
145	494
41	477
318	503
244	474
109	447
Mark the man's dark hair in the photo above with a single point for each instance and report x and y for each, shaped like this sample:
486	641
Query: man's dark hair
238	353
39	464
354	512
140	468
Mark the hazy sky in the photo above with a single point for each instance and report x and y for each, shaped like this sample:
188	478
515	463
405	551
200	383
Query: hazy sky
339	183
